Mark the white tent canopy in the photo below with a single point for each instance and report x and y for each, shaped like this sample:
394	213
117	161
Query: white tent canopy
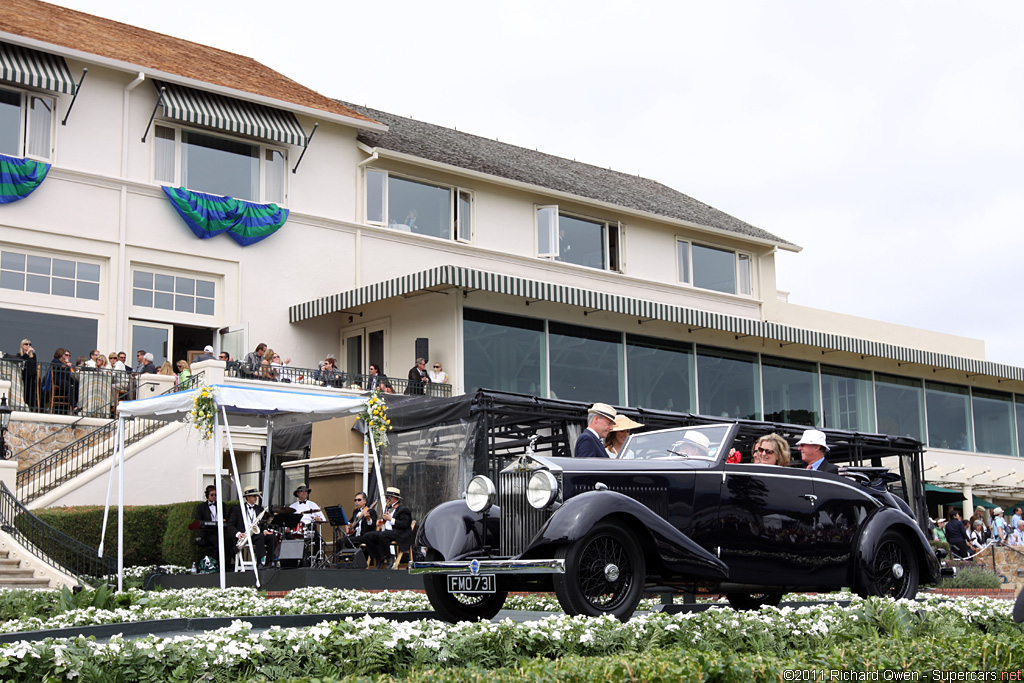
247	406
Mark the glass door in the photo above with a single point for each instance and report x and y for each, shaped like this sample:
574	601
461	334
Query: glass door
362	346
232	340
154	338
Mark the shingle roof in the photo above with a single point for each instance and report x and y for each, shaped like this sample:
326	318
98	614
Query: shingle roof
448	146
148	49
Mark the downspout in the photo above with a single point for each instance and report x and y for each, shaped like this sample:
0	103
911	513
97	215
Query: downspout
361	208
120	334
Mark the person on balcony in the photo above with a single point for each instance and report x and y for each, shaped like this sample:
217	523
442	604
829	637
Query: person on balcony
207	354
418	378
29	372
254	359
438	375
378	380
62	378
329	375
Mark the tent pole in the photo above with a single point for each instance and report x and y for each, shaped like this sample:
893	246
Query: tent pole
366	463
218	459
266	466
238	484
120	515
110	484
376	468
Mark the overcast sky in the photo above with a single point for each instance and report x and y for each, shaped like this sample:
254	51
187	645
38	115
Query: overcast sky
885	138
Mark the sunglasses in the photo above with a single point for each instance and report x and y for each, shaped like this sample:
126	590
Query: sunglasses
766	451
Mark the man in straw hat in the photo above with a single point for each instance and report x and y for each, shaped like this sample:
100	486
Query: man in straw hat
243	517
394	525
600	420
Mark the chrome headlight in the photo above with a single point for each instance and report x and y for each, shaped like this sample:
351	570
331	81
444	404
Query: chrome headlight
542	489
480	494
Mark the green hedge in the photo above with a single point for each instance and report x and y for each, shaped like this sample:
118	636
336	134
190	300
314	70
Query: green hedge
153	534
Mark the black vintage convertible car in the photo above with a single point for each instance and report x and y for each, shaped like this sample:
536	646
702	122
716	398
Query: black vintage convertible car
669	515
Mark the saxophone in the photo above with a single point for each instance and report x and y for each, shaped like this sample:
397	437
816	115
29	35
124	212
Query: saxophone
253	528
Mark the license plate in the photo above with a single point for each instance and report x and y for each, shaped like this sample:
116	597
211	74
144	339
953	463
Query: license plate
473	583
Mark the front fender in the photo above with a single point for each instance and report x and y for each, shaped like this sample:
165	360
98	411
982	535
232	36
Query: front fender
676	551
891	519
453	530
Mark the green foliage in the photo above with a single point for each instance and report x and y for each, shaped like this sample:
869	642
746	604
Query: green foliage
178	544
100	598
942	544
973	577
15	604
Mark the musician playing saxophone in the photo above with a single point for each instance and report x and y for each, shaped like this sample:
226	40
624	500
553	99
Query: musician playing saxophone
395	525
264	542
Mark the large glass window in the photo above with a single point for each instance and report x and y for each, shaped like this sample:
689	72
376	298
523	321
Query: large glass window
993	422
46	275
47	332
660	374
173	293
503	352
218	165
790	391
586	364
572	239
714	268
728	384
847	401
418	206
34	138
1018	405
949	416
899	402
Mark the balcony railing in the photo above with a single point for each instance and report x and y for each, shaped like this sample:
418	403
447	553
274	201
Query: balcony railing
287	374
57	389
49	544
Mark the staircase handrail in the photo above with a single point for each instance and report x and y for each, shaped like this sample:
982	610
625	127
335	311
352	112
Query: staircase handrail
49	544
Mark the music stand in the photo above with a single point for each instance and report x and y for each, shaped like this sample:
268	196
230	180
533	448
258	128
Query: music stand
338	519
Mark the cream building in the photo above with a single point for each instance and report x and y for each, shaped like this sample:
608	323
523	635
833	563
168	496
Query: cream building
517	270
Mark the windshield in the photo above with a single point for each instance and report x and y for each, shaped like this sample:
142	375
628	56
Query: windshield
682	443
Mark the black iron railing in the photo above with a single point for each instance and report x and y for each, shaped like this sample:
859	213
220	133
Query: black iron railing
85	453
288	374
49	544
56	389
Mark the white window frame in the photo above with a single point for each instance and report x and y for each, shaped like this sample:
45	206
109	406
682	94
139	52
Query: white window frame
553	237
455	194
261	146
25	122
739	258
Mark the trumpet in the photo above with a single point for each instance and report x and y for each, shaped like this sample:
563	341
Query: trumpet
253	528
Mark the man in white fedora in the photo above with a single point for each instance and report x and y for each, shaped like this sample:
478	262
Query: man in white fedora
812	451
600	420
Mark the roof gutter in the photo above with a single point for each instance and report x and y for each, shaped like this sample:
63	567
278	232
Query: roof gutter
119	65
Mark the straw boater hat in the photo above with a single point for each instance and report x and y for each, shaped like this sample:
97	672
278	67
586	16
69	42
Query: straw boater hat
302	487
392	491
622	423
604	410
251	491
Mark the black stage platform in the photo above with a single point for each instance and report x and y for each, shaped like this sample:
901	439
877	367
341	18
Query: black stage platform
290	579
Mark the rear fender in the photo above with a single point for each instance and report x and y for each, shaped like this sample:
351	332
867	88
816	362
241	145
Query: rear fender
672	548
882	521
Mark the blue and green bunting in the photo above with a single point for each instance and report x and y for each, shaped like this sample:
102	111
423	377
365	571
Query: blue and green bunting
208	215
19	177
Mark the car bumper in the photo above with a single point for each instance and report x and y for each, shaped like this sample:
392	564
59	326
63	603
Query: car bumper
489	567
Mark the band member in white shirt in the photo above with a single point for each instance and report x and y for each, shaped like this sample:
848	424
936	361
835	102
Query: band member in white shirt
310	511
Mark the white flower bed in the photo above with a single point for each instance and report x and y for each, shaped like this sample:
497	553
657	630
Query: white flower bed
371	644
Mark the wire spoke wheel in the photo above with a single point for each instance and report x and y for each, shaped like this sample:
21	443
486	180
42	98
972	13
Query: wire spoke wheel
604	573
894	571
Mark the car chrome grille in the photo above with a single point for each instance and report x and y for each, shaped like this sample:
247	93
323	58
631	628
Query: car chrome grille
520	521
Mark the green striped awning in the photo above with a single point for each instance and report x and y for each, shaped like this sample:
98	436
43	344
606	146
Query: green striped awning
226	113
645	310
25	66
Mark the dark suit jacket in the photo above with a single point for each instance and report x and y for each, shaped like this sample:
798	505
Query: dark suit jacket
826	466
417	382
401	525
378	381
590	446
209	534
366	524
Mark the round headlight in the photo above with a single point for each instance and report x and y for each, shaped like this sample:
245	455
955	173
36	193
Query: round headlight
541	489
480	494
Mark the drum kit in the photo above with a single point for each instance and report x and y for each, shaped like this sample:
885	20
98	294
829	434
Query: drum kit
293	534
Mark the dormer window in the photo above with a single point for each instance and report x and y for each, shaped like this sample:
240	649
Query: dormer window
575	239
714	268
418	206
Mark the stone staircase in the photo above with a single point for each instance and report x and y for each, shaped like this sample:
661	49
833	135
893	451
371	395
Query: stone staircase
13	576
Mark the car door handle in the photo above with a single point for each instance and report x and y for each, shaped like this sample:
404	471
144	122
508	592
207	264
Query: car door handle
809	497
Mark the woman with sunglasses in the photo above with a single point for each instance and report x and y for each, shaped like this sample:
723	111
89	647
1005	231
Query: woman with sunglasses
771	449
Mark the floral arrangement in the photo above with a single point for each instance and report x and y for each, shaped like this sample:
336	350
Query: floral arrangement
202	413
375	416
